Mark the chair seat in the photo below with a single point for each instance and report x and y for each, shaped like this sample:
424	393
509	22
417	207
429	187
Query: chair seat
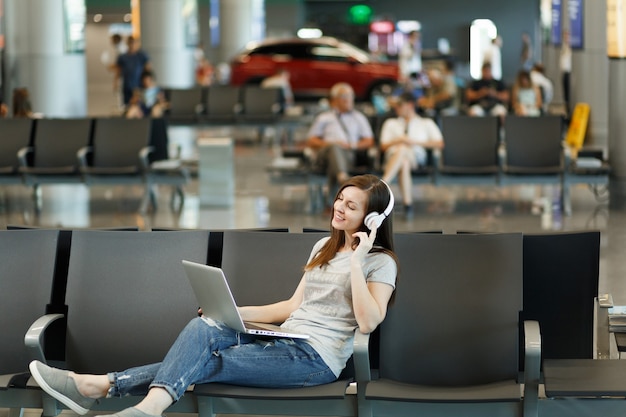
65	170
584	377
513	170
603	169
382	389
130	170
482	170
334	390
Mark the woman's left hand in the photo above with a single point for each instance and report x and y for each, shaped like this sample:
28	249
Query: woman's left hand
366	241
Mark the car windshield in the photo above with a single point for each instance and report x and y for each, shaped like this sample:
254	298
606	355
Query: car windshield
355	52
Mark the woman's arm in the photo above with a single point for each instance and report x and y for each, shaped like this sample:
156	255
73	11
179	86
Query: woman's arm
369	300
274	313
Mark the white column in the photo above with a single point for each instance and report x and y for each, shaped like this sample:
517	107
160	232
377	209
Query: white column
241	21
590	72
163	25
37	58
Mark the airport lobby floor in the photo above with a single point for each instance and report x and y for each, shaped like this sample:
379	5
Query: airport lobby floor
260	204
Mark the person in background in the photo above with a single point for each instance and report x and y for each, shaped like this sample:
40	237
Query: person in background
204	72
280	79
487	95
526	54
410	57
441	98
148	101
337	133
538	78
493	55
347	284
565	65
21	103
526	97
129	67
404	141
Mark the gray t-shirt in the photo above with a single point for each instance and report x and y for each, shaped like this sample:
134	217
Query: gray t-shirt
326	312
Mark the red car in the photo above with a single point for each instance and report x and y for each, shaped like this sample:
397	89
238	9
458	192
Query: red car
314	65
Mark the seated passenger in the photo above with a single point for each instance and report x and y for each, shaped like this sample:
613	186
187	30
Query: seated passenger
337	133
280	80
440	98
21	103
526	100
487	96
404	140
538	78
347	284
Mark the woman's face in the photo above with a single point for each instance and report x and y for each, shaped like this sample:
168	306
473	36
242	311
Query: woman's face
349	209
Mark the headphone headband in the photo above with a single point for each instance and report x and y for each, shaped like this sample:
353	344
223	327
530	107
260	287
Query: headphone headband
375	219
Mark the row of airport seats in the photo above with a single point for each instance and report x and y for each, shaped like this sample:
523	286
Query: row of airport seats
482	151
115	299
224	104
91	151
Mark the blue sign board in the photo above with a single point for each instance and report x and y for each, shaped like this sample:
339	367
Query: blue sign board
575	15
555	33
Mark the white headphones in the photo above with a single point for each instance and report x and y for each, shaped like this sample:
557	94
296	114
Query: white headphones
375	219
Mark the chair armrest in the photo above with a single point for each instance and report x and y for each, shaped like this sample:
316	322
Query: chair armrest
436	160
144	153
82	155
22	155
361	357
501	156
34	336
532	365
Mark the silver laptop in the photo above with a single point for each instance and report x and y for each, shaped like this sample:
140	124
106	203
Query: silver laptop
216	300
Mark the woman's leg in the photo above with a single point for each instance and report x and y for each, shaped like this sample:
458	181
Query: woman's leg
395	159
406	185
232	358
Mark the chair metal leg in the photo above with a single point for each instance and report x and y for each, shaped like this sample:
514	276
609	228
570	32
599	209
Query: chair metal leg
16	412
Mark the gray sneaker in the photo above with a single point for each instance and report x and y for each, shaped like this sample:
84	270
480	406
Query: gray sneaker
60	386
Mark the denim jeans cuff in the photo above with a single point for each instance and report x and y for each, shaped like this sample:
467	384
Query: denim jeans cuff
171	391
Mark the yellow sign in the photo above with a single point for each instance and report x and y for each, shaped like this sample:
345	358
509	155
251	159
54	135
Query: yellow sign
578	126
616	28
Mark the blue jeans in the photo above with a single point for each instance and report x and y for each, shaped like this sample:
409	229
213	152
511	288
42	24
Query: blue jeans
212	352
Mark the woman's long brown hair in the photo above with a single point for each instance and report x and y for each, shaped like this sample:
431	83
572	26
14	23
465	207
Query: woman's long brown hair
378	194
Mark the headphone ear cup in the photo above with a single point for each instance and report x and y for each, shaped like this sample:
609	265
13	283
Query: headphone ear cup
373	219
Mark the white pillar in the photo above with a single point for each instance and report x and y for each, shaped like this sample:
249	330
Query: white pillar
37	57
241	21
590	72
163	37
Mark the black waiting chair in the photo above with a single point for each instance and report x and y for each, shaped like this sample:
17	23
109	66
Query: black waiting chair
470	154
127	299
26	284
53	156
223	104
449	343
118	155
15	134
262	280
533	150
185	104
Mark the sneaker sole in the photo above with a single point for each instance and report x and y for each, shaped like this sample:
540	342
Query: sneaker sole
55	394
